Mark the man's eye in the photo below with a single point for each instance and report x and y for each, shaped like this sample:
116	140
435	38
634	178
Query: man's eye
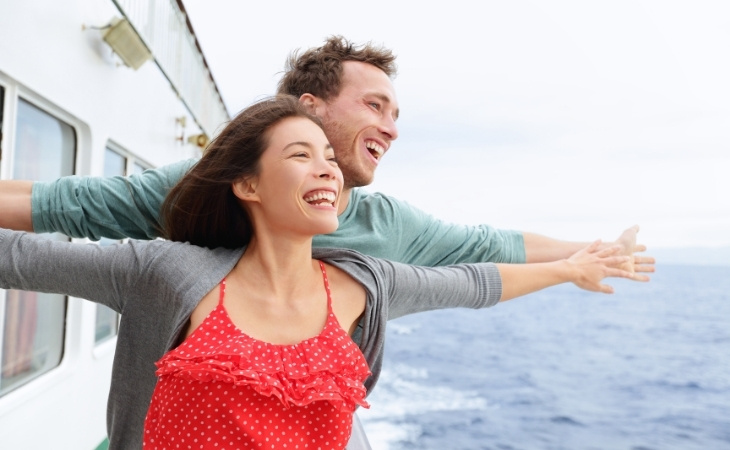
375	106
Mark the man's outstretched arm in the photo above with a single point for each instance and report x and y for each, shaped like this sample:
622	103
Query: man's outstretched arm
15	206
91	207
540	248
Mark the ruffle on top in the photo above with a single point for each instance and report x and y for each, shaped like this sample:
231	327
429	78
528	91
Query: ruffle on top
327	367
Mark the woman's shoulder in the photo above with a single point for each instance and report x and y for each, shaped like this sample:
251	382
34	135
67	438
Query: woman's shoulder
343	257
185	269
182	252
366	270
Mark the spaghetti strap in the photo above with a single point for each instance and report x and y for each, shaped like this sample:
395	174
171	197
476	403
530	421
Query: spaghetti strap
222	291
326	285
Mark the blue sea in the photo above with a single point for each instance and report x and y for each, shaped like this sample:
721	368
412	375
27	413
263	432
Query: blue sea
645	368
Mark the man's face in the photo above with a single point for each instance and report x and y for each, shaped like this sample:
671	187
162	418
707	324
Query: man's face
360	121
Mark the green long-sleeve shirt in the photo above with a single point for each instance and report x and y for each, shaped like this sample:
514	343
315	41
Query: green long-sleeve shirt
373	224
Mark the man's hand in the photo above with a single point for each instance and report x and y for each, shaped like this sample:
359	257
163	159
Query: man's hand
637	264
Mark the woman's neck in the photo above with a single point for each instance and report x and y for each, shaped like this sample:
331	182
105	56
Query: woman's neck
280	266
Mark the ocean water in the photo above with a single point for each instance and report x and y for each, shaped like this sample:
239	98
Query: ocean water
645	368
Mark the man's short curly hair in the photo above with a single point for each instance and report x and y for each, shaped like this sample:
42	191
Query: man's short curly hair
318	71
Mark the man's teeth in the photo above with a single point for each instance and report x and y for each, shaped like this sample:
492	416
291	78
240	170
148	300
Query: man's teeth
329	197
377	149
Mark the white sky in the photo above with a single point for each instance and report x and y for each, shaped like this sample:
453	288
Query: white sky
573	119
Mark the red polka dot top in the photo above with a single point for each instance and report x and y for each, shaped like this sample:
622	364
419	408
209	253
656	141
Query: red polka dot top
222	389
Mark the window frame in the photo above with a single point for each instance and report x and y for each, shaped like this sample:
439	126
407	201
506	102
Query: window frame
13	93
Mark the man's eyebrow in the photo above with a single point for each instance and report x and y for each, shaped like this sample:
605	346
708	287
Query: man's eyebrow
384	98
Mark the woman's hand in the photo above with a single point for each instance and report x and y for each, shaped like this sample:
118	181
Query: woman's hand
586	268
590	265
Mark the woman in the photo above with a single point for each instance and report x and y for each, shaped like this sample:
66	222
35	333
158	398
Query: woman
259	341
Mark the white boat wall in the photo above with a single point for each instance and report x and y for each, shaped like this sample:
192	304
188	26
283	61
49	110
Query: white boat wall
72	102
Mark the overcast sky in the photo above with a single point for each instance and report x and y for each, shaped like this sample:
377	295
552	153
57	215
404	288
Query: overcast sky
574	119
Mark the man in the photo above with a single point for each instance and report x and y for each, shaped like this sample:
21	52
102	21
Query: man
349	88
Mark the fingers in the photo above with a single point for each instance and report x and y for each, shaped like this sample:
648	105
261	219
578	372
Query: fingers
644	260
616	261
643	264
639	277
606	252
605	289
642	268
593	246
619	273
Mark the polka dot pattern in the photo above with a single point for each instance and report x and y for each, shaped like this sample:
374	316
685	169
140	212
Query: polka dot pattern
222	389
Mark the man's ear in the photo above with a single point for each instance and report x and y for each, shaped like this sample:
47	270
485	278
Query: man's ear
245	189
312	103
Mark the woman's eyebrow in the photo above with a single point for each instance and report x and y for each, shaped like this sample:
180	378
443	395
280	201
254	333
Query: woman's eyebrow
303	143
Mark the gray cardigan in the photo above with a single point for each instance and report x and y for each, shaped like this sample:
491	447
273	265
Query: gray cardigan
155	285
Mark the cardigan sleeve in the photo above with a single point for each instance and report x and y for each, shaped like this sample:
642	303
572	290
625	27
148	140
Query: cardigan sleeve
100	274
411	289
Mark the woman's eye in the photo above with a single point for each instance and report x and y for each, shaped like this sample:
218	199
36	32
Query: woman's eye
375	106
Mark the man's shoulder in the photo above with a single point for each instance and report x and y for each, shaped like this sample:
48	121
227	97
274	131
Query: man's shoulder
363	198
386	206
167	174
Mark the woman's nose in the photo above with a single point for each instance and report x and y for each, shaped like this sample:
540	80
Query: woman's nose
328	170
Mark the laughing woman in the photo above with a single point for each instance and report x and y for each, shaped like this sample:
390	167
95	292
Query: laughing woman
234	333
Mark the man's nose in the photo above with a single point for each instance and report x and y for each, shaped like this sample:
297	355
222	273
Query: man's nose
389	127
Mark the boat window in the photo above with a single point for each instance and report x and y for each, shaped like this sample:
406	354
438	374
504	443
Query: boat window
45	147
138	168
33	324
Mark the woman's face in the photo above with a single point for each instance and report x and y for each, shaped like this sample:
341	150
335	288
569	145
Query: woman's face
298	186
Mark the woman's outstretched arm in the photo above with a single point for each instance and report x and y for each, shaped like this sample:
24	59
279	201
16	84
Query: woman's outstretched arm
586	269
